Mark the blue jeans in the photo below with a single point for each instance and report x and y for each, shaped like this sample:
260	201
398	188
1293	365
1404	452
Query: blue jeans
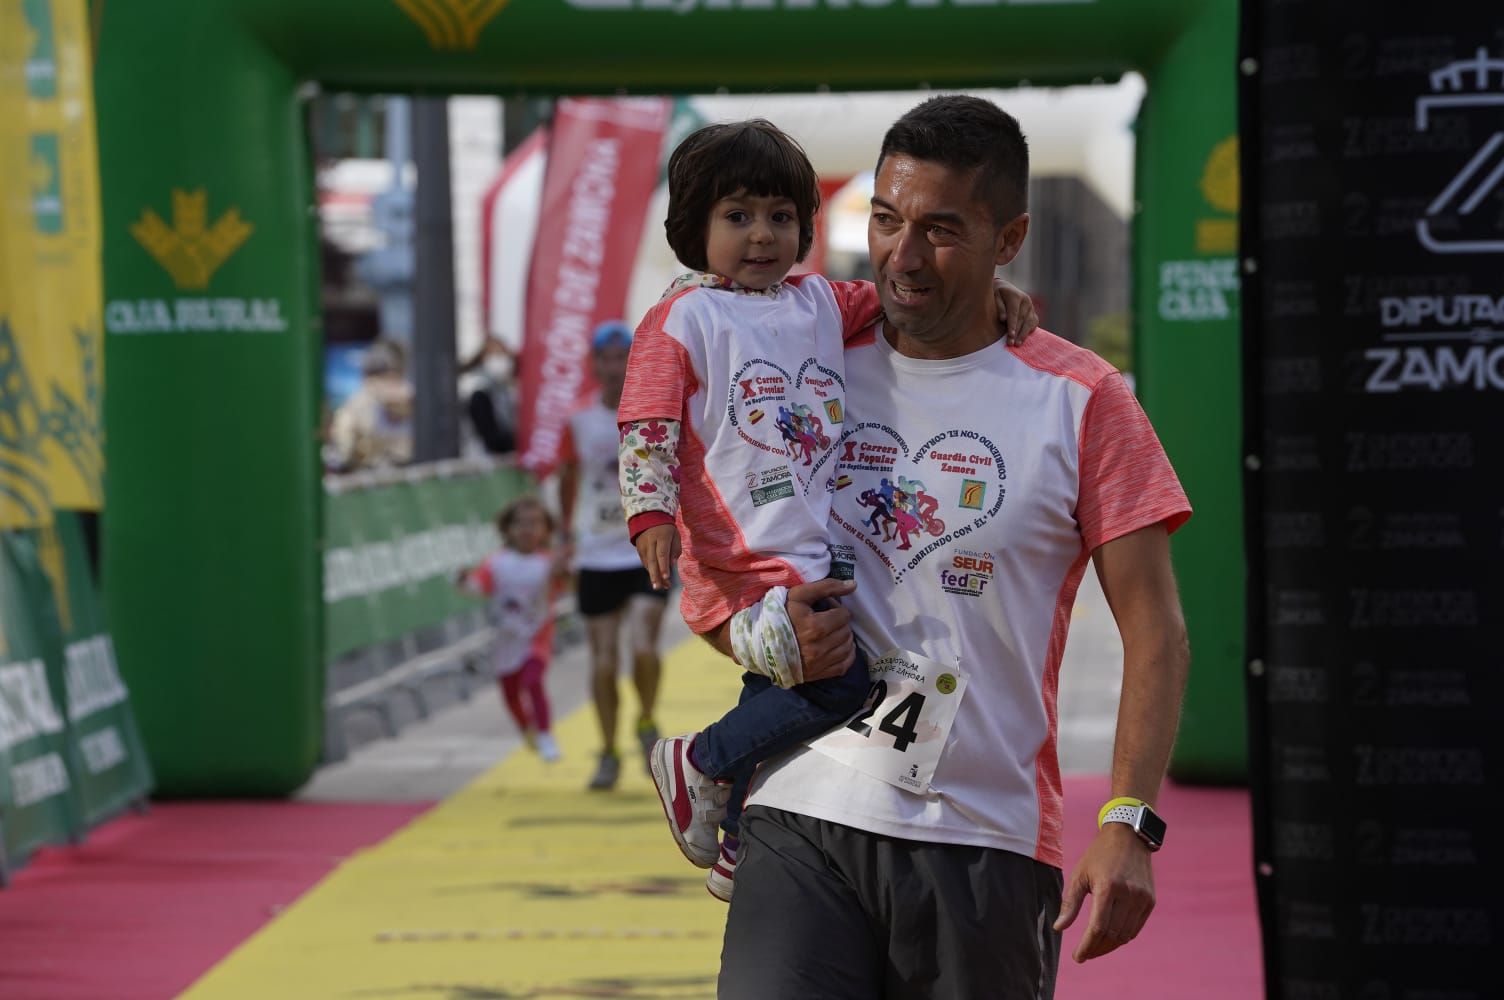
768	720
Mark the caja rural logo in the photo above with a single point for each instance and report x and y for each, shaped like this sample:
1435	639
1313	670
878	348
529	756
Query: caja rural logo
46	184
451	24
715	6
192	250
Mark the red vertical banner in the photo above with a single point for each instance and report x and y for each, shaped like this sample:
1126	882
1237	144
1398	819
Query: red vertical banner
603	164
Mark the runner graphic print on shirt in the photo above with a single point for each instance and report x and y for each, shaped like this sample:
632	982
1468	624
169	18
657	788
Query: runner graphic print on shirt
906	506
793	418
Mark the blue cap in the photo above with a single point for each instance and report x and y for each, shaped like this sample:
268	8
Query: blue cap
613	331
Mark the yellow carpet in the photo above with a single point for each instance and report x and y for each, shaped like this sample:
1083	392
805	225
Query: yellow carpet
521	885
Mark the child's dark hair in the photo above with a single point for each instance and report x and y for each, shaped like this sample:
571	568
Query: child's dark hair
716	162
508	514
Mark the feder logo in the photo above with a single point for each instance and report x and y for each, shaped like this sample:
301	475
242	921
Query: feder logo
190	250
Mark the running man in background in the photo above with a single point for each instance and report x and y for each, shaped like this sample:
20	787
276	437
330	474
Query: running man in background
614	592
520	580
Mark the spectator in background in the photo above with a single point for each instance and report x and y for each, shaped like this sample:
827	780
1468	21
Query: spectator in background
373	429
487	390
613	587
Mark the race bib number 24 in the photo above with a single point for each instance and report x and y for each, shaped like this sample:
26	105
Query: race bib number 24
899	734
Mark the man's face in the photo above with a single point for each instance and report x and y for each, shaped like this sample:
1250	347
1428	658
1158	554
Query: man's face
934	249
610	364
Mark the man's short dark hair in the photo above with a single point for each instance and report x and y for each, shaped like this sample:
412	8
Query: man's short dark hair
968	134
716	162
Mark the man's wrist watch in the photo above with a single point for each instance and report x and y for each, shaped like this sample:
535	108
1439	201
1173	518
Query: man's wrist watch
1137	814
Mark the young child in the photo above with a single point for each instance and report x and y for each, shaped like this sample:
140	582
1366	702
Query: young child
521	579
729	422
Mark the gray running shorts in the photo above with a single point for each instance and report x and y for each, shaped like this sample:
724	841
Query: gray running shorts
824	911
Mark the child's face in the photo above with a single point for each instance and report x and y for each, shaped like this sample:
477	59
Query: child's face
752	239
528	530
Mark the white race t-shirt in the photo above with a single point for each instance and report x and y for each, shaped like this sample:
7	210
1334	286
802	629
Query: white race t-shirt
970	495
600	527
756	382
519	588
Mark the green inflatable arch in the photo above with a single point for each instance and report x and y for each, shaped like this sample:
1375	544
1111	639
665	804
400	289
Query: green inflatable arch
212	538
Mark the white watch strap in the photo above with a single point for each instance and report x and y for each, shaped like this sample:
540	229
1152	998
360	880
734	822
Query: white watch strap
1122	814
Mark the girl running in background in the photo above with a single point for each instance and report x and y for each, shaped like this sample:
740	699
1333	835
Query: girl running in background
521	580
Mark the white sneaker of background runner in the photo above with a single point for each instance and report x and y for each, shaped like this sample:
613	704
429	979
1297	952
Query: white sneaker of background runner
763	639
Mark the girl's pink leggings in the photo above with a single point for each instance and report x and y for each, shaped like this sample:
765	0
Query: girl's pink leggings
524	695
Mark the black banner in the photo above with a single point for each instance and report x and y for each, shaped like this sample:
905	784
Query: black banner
1373	258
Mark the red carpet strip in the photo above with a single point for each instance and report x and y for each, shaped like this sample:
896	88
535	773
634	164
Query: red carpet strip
1202	941
149	903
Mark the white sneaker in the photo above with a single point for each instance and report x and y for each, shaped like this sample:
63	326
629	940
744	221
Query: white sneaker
693	803
722	878
548	749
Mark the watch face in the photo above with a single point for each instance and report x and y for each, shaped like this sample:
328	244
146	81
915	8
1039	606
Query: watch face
1151	827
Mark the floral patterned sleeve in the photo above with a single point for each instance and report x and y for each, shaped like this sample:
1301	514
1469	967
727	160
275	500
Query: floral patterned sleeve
649	462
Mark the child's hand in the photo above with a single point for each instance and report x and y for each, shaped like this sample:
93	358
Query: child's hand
658	548
1016	312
